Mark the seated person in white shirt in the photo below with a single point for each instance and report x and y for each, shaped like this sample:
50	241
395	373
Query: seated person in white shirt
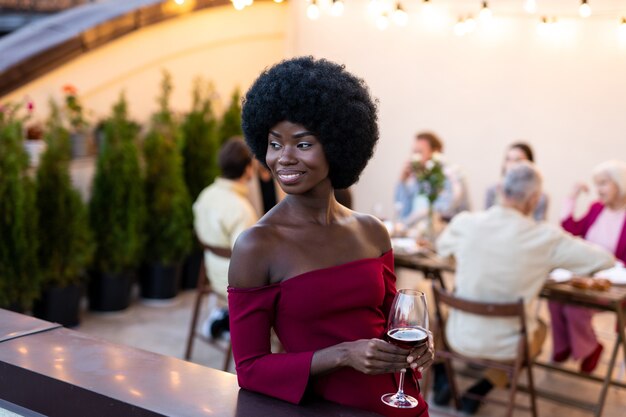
221	212
502	255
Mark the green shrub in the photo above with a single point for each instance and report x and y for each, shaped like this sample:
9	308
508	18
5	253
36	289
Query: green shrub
66	244
231	120
117	206
169	215
200	141
19	273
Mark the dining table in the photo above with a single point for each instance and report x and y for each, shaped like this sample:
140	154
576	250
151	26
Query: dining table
612	300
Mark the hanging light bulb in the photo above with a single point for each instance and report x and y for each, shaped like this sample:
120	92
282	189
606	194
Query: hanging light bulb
382	21
622	29
427	6
542	27
584	10
470	24
337	8
485	12
400	17
530	6
239	4
179	2
313	12
460	28
278	1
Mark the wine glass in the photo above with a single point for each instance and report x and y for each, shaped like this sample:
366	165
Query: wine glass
408	329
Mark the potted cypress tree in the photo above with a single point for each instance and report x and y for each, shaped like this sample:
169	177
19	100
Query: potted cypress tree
231	119
19	272
116	213
200	162
168	229
66	242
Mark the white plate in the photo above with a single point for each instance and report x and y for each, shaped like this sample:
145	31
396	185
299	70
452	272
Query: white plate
617	275
560	275
405	246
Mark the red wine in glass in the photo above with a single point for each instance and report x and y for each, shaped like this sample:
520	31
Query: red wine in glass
408	337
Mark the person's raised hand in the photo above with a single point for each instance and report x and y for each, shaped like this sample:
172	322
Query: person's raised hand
375	356
578	189
406	171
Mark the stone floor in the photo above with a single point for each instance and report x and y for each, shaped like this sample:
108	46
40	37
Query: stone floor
162	327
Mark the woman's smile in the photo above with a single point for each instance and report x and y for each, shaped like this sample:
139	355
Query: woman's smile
289	176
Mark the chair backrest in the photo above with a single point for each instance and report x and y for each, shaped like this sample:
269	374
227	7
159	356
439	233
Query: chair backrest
480	308
487	309
493	310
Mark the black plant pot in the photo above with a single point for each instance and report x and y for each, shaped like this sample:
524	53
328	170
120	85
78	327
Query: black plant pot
191	269
110	292
15	307
59	305
158	281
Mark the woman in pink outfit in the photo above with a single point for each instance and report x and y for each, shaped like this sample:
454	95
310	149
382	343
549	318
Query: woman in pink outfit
603	224
316	272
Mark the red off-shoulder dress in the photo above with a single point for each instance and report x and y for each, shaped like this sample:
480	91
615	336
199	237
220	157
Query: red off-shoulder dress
309	312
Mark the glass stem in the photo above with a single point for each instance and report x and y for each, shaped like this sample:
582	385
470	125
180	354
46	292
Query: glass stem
400	393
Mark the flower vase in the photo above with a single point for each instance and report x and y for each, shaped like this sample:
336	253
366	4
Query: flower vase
80	142
429	230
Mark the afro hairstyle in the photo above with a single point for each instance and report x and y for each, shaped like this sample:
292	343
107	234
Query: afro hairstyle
324	98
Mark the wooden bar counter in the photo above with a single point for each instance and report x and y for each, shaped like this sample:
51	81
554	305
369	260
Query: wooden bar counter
59	372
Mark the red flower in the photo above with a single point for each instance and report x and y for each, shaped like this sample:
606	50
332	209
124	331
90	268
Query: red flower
69	89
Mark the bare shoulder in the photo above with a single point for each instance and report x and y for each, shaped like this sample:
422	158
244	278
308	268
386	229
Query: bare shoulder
250	261
375	230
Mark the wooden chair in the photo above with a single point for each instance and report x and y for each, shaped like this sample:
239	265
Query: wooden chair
203	290
513	369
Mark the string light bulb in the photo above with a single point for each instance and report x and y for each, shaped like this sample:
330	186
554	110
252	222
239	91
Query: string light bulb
584	10
530	6
382	21
239	4
470	24
459	27
313	11
485	12
426	6
399	16
622	29
278	1
179	2
337	8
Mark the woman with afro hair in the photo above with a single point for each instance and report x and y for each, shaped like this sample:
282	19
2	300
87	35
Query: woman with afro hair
319	274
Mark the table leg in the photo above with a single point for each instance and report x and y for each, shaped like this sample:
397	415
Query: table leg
607	379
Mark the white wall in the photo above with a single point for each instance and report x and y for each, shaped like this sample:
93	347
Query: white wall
565	93
223	45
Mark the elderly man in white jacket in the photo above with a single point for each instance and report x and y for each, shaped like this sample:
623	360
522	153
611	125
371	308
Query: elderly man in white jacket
502	254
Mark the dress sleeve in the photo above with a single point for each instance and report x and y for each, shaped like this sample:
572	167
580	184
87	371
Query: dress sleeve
281	375
390	282
581	226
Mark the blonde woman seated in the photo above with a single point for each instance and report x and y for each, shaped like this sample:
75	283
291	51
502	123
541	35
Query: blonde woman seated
605	225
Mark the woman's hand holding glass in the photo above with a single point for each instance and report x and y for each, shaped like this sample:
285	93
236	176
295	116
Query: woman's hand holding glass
376	356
